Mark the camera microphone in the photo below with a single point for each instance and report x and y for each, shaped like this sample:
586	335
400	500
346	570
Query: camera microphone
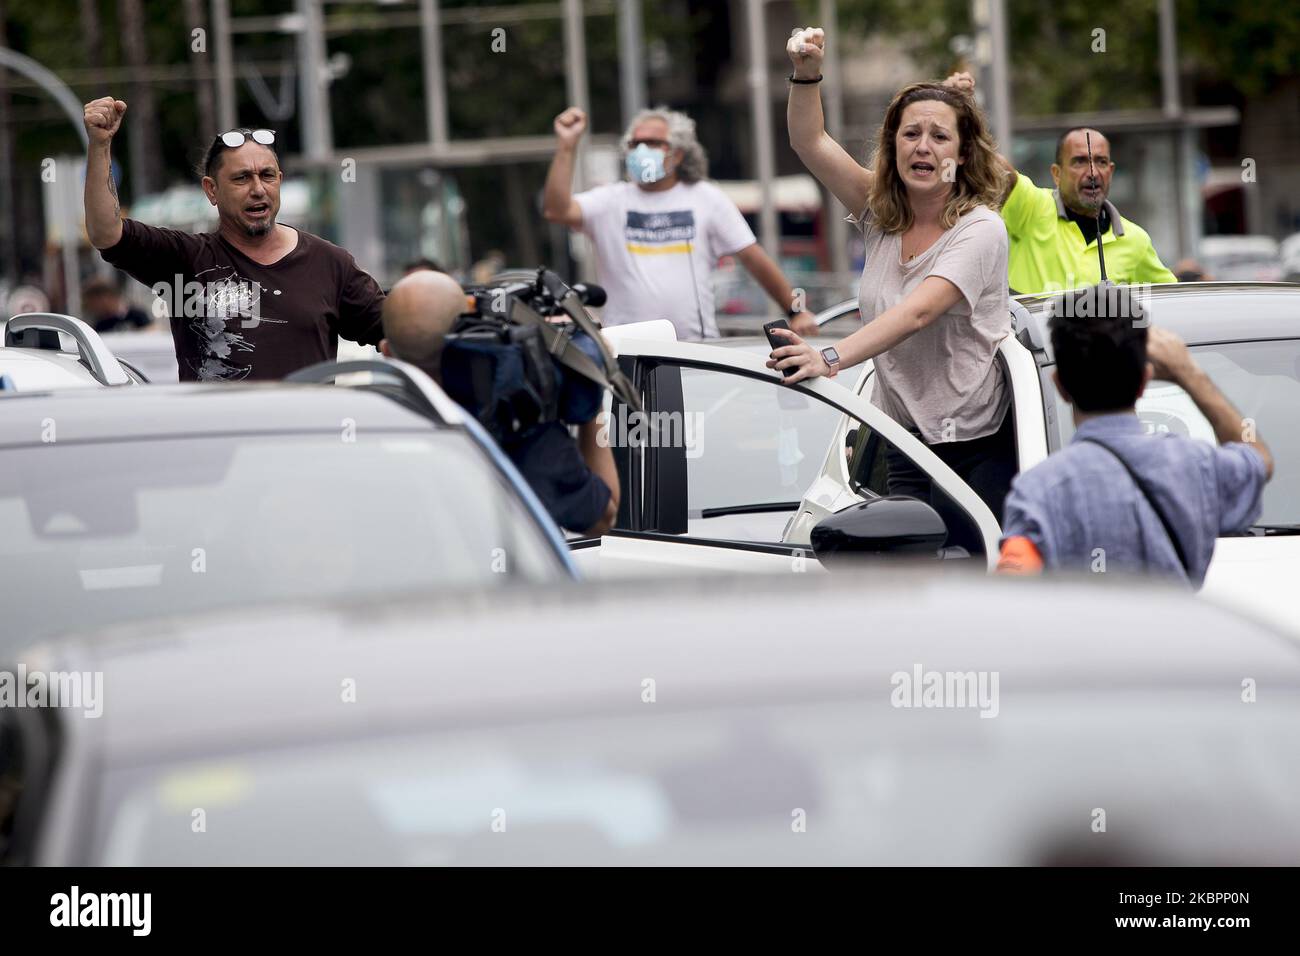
590	294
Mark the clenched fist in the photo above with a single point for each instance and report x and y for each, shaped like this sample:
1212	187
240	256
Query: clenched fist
103	117
961	82
570	125
807	49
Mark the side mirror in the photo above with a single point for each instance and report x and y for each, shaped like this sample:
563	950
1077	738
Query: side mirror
896	525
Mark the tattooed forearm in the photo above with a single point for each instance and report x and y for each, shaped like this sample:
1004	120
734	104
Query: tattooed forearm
103	209
112	188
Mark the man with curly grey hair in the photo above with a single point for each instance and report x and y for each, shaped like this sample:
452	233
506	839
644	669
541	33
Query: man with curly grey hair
659	234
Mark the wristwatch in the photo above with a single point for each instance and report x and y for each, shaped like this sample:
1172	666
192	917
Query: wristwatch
832	358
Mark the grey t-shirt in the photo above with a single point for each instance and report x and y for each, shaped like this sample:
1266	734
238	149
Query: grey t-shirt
943	381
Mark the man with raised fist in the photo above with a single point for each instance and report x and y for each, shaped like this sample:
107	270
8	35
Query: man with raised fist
255	299
1054	231
660	233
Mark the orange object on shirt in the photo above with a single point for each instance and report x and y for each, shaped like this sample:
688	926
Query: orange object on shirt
1019	556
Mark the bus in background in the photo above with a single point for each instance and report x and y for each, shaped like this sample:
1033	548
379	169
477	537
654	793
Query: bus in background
804	255
799	206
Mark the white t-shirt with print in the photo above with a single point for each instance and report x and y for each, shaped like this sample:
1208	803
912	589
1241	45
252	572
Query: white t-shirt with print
655	251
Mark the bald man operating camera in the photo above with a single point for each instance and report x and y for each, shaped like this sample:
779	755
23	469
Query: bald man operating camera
576	482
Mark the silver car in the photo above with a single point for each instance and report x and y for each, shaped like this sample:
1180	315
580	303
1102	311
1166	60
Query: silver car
889	718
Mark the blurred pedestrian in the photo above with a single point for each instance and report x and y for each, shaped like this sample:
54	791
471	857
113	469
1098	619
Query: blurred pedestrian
105	309
483	270
660	233
1189	270
1118	499
422	264
26	297
933	295
576	481
1053	232
254	300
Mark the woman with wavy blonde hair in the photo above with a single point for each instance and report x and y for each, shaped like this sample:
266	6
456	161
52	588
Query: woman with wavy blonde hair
933	294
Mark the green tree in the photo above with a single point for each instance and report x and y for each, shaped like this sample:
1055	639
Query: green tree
1057	65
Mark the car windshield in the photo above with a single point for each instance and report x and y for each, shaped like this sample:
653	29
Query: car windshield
730	784
92	534
1262	379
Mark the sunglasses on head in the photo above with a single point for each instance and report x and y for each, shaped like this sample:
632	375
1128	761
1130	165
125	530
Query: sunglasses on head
237	137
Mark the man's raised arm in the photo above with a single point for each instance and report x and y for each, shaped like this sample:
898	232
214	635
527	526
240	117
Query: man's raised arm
103	211
965	82
558	204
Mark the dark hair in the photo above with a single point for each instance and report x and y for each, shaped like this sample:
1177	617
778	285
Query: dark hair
1099	338
211	161
420	265
1060	143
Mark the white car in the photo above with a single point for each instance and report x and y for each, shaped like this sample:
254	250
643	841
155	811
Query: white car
45	350
150	352
119	505
1289	251
746	468
1241	258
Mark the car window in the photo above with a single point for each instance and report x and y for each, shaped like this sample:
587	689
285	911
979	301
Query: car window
758	448
96	533
869	455
753	449
1262	379
868	461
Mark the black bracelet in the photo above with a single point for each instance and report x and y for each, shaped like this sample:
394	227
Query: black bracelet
793	79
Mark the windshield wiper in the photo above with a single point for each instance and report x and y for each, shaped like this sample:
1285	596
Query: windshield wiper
749	509
1275	529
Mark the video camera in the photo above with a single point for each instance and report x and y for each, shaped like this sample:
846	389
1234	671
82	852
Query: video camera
527	353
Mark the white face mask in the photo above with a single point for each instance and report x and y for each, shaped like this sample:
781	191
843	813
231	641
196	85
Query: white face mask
646	164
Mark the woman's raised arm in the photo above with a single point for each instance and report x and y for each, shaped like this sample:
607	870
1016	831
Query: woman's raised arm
844	176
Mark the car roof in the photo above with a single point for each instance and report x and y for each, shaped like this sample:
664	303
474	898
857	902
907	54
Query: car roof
195	410
38	369
1195	310
1201	313
521	654
759	343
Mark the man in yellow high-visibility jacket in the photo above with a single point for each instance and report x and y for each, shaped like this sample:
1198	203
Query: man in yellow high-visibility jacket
1053	232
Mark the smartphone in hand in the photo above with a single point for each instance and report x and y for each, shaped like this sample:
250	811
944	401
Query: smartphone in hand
776	341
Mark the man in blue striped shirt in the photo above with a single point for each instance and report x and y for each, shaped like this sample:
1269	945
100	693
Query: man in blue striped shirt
1116	498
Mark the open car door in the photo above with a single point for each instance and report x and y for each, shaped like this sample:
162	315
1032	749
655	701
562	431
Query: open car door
728	469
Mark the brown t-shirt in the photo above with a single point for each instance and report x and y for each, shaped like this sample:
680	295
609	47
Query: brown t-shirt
233	318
